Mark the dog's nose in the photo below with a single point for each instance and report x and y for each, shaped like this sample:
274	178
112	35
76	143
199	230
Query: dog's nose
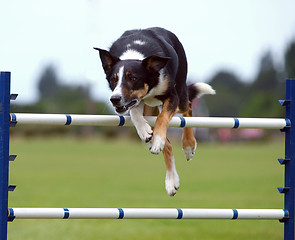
116	99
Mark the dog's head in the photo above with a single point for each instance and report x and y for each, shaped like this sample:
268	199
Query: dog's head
130	80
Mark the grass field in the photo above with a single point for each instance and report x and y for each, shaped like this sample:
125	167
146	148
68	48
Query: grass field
96	173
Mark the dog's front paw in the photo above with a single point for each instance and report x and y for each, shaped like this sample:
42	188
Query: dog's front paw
157	144
171	182
145	132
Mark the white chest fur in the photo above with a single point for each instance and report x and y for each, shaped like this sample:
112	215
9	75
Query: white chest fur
152	102
150	99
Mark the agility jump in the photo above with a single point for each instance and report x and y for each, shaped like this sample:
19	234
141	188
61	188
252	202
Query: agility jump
286	214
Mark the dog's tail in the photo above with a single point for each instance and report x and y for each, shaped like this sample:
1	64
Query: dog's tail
199	89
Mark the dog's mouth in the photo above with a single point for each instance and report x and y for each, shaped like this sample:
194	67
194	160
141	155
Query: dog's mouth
125	108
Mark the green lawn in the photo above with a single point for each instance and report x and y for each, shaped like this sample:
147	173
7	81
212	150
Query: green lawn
96	173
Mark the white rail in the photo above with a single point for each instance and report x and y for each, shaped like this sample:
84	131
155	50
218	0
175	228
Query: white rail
114	120
144	213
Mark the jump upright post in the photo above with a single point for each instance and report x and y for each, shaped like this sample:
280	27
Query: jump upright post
286	215
4	149
289	161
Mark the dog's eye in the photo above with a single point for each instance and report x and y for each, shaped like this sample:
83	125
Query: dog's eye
131	78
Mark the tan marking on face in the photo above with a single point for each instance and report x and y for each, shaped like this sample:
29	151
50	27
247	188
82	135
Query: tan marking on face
128	74
140	93
134	94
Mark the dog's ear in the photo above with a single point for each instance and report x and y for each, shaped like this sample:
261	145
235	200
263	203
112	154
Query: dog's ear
155	63
107	60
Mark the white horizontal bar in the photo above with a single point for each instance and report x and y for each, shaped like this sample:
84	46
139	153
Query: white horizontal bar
259	213
63	119
144	213
29	213
114	120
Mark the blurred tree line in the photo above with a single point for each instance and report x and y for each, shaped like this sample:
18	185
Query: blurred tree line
235	97
56	97
256	98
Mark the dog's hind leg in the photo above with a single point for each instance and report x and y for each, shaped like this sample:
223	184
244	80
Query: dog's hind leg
172	179
189	143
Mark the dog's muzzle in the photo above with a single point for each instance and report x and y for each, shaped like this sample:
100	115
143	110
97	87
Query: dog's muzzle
120	106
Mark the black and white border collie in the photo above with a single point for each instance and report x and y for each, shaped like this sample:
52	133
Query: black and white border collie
148	67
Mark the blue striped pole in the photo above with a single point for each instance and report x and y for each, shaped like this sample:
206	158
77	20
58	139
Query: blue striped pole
115	120
4	150
289	189
145	213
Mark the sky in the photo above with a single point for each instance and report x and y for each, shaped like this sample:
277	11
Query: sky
227	34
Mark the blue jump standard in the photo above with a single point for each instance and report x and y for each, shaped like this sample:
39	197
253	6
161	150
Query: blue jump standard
4	150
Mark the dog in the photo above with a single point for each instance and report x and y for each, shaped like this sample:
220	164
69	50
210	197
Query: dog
148	67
